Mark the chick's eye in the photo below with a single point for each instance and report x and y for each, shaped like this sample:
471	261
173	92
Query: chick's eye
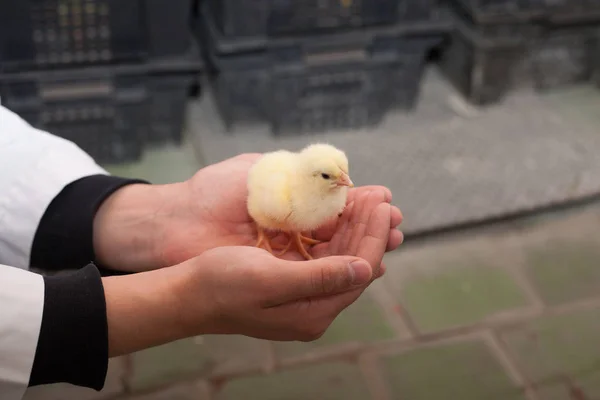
325	176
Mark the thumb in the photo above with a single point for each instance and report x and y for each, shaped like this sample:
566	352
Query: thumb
322	277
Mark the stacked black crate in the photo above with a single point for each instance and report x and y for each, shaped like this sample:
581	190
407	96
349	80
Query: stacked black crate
112	76
498	45
316	65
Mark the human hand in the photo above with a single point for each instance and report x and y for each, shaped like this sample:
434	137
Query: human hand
246	290
231	290
365	229
145	227
216	215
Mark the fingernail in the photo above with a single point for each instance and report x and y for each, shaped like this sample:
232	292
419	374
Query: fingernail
361	272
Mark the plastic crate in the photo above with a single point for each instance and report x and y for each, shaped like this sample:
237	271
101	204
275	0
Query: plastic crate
337	81
112	113
42	34
553	11
485	70
243	18
491	23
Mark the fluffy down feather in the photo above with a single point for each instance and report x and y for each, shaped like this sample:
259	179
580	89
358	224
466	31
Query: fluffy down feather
295	192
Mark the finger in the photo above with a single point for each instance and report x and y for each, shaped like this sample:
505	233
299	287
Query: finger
316	278
387	194
360	220
326	232
396	217
352	225
379	272
316	313
375	240
250	157
396	238
335	238
382	270
353	217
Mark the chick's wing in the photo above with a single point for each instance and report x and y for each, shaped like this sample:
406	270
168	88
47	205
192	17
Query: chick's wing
269	199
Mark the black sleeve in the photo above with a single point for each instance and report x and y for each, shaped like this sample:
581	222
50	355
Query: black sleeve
73	341
64	238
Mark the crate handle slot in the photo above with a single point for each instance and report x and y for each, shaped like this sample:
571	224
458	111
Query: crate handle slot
356	85
335	57
349	87
64	92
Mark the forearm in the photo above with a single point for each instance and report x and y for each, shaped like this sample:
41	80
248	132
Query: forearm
129	225
51	192
79	320
65	236
144	310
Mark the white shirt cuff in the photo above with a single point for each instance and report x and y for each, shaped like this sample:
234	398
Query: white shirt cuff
21	311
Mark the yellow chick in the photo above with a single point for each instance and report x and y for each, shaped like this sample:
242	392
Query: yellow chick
297	192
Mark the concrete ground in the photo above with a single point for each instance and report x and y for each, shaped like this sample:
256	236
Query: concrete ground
506	311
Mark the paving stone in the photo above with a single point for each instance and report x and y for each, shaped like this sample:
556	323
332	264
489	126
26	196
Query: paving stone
235	352
63	391
565	271
455	371
567	389
166	164
332	381
196	357
439	293
172	361
186	391
363	321
561	354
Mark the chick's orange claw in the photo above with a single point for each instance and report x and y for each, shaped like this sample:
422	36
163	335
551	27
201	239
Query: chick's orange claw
295	192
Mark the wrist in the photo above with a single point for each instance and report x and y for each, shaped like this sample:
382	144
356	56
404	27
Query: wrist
129	225
146	309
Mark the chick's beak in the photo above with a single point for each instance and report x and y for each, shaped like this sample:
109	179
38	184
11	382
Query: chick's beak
344	180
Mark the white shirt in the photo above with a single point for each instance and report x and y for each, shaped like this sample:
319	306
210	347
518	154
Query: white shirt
34	167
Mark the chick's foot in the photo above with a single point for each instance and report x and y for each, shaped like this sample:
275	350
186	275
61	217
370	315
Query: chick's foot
263	239
298	239
309	240
286	248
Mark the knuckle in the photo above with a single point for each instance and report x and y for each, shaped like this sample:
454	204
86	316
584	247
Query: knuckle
325	279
